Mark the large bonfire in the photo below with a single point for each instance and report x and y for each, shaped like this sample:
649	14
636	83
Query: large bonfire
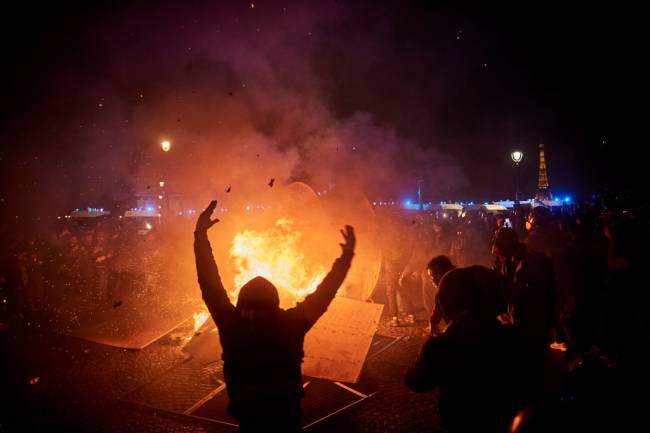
275	254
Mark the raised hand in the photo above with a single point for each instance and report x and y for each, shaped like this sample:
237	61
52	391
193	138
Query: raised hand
205	222
350	240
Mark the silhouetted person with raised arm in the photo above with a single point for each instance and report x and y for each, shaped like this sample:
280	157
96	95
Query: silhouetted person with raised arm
263	344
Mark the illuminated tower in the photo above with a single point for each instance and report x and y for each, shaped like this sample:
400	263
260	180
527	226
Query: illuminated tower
543	190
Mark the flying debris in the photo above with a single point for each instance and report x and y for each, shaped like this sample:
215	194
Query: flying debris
271	182
228	189
117	304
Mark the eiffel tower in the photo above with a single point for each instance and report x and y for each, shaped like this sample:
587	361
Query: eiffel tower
543	190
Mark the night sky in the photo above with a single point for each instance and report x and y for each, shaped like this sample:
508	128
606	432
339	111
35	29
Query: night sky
436	90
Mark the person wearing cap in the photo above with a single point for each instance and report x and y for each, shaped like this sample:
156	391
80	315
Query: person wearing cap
262	345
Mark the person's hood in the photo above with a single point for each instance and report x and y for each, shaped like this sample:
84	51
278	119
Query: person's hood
258	293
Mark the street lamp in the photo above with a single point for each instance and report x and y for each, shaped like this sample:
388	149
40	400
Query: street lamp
165	146
517	156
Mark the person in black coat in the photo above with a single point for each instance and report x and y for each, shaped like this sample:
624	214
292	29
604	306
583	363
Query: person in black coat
263	344
531	290
480	366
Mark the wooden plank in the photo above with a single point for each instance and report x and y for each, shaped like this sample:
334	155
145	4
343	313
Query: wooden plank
337	411
337	346
201	402
129	326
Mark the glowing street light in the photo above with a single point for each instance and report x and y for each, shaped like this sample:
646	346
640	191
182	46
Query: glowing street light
165	145
517	156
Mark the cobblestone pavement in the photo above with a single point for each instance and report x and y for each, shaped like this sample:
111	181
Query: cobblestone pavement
51	382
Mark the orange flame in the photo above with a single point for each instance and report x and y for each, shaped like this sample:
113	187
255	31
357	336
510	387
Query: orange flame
275	254
199	319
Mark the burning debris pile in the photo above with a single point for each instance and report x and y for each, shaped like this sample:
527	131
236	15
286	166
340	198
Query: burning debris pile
275	254
292	241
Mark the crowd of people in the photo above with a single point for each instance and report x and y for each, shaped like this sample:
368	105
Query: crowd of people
514	296
511	298
503	292
75	266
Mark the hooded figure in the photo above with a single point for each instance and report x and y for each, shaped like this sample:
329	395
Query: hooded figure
258	293
263	344
480	366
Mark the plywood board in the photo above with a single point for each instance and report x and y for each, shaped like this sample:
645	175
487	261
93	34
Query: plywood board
131	325
337	346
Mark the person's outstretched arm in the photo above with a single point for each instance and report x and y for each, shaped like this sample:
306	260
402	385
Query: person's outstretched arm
214	294
316	303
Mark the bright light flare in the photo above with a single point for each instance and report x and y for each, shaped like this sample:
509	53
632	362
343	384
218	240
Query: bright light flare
517	156
199	319
559	346
165	145
275	254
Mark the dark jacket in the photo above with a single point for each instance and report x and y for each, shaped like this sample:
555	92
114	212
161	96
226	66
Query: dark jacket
481	368
261	360
533	296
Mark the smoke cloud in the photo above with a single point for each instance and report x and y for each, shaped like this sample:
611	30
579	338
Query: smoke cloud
241	92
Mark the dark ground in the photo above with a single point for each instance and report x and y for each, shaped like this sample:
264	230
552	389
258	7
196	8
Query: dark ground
76	386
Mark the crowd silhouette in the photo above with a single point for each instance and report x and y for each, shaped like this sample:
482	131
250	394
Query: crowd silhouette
513	301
